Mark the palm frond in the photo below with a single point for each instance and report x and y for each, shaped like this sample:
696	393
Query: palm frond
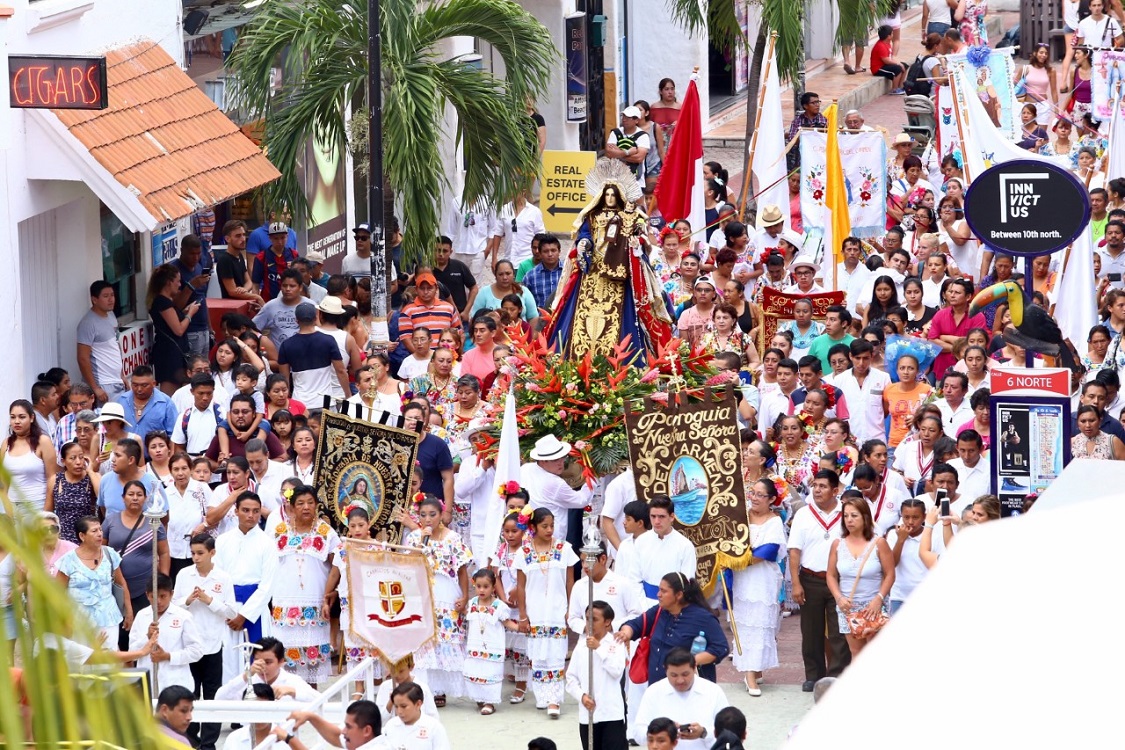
787	18
716	18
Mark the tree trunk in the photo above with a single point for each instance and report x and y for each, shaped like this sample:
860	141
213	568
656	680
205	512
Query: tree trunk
752	105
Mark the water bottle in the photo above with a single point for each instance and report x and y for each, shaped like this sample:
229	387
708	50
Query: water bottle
698	644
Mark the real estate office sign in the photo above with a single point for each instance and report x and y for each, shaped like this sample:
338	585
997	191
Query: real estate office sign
52	82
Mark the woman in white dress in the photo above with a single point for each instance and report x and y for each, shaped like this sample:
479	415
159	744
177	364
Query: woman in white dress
861	569
545	568
755	589
440	664
303	452
187	511
305	546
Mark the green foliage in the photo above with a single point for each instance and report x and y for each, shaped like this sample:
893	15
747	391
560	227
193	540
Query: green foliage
68	707
323	48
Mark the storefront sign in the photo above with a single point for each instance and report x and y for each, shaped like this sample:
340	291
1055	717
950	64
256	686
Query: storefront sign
564	188
1031	428
1027	207
576	80
136	346
44	82
688	452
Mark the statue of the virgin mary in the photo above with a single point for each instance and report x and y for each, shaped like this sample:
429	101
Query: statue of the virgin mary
608	289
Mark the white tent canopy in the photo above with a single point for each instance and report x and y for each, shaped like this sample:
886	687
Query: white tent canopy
1010	642
1082	481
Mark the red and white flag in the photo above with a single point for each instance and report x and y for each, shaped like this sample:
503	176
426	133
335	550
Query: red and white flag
679	189
390	602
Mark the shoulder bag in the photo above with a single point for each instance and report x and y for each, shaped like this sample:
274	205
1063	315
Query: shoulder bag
638	667
860	624
118	589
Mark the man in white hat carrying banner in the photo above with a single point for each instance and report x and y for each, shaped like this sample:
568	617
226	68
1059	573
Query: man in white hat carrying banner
544	483
804	271
769	236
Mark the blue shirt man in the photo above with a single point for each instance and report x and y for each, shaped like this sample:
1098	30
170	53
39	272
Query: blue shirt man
543	279
146	408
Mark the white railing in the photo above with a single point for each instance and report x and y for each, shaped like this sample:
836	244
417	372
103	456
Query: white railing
277	712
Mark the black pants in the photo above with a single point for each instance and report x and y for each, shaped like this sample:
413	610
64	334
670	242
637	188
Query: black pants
608	735
178	564
139	603
208	674
818	618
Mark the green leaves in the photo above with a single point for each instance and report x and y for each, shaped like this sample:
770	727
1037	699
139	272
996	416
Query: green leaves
322	47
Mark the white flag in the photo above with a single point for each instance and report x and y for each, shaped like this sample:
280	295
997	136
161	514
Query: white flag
768	164
1076	310
1116	158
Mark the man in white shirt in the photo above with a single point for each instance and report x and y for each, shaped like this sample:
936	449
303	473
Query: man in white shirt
955	408
776	404
629	143
603	696
621	489
362	726
183	399
478	240
268	474
208	595
810	540
804	270
637	523
620	593
685	698
768	238
885	501
246	553
99	354
266	668
851	275
178	644
474	487
863	388
196	425
663	551
972	470
546	487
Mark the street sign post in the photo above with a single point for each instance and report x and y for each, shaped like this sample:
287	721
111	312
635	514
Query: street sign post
563	193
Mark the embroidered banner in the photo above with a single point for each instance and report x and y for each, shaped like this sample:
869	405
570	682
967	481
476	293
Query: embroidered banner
691	452
366	464
778	307
864	157
390	598
947	135
991	79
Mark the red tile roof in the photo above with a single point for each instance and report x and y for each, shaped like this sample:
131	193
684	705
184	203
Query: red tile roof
163	139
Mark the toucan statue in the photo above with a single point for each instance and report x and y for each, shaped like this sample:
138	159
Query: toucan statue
1032	328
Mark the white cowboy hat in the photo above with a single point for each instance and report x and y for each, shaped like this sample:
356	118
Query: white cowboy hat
771	215
794	239
804	260
549	448
331	305
112	411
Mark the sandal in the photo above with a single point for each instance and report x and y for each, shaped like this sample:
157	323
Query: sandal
487	709
849	69
861	70
519	696
439	701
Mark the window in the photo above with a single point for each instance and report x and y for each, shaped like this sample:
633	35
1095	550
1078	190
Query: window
120	261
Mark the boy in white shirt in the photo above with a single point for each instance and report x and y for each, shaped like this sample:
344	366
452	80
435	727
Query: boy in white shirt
178	643
905	540
602	699
417	363
208	595
197	425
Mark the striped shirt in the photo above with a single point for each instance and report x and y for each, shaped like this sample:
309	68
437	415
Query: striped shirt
440	315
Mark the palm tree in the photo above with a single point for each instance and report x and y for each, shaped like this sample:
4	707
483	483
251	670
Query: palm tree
322	46
786	17
54	704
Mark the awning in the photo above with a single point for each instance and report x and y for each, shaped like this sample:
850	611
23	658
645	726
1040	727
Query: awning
161	150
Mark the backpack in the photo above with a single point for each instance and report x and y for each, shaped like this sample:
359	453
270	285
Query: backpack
626	142
914	86
187	417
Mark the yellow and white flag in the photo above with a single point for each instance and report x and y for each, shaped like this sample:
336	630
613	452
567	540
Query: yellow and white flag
391	602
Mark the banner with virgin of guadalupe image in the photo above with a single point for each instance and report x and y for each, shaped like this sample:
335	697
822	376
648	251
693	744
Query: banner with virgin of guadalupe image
364	464
864	158
391	602
690	451
990	72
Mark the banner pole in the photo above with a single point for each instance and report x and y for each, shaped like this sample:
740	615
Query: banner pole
754	141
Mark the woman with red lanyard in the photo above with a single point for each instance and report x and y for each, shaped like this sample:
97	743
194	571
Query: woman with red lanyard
913	460
884	501
874	453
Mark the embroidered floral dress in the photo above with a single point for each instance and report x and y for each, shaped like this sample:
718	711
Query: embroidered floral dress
355	650
545	595
440	662
797	472
423	385
303	562
516	662
737	342
484	649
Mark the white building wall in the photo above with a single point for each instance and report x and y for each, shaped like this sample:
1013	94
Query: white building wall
660	48
59	219
561	136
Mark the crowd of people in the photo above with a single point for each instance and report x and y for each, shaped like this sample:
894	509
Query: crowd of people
861	461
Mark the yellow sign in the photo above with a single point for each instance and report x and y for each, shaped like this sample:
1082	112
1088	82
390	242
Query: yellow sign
563	192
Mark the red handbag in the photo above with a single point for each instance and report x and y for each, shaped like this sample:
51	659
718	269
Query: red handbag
638	667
